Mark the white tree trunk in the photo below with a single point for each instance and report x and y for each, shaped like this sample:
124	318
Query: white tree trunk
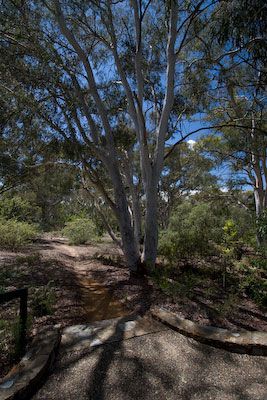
151	165
260	207
129	243
151	227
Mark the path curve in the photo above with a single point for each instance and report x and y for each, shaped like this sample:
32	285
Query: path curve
158	366
98	301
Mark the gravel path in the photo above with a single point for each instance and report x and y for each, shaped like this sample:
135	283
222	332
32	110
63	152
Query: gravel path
164	365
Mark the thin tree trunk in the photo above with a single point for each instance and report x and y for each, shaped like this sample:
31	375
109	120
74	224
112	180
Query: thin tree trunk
259	208
152	181
136	210
259	190
129	244
151	228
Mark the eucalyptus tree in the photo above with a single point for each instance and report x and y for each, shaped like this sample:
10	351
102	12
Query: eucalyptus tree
91	68
187	170
244	148
237	97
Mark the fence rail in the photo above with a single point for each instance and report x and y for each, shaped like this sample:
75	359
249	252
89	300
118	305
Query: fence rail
22	294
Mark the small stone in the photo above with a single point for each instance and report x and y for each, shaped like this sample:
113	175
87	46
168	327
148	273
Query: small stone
235	334
7	384
96	342
127	326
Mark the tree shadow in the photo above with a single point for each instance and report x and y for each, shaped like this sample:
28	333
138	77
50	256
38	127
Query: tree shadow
218	374
134	376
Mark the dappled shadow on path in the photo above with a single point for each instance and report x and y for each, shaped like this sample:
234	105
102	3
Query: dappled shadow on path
158	366
108	307
148	367
219	374
134	375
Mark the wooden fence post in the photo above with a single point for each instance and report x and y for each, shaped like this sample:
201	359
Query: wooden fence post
22	294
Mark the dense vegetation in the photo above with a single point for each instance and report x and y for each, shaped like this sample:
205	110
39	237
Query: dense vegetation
146	121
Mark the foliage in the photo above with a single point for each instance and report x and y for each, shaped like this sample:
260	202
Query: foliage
253	281
43	301
230	231
231	247
259	262
80	205
80	231
241	20
226	308
262	226
187	169
60	107
19	208
193	229
183	287
16	330
15	234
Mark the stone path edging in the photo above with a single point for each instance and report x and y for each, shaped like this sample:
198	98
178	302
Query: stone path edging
84	337
28	374
253	343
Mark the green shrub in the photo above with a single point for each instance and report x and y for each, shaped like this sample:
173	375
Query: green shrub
80	231
43	301
262	227
230	231
228	306
253	281
19	208
15	329
192	230
184	287
15	234
259	263
231	247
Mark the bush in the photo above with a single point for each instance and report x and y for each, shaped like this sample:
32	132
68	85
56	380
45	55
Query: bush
192	230
43	301
262	227
80	231
253	281
231	247
19	208
15	234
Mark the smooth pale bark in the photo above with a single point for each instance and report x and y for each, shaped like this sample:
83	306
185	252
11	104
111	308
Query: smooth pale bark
151	187
136	215
260	207
151	164
129	243
137	219
260	187
151	227
135	203
256	170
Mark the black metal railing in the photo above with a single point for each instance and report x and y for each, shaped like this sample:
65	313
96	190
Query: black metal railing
22	294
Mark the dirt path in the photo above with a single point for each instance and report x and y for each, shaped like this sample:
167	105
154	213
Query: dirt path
97	300
163	365
68	285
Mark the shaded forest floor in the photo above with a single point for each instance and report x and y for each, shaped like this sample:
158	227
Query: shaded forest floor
77	284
